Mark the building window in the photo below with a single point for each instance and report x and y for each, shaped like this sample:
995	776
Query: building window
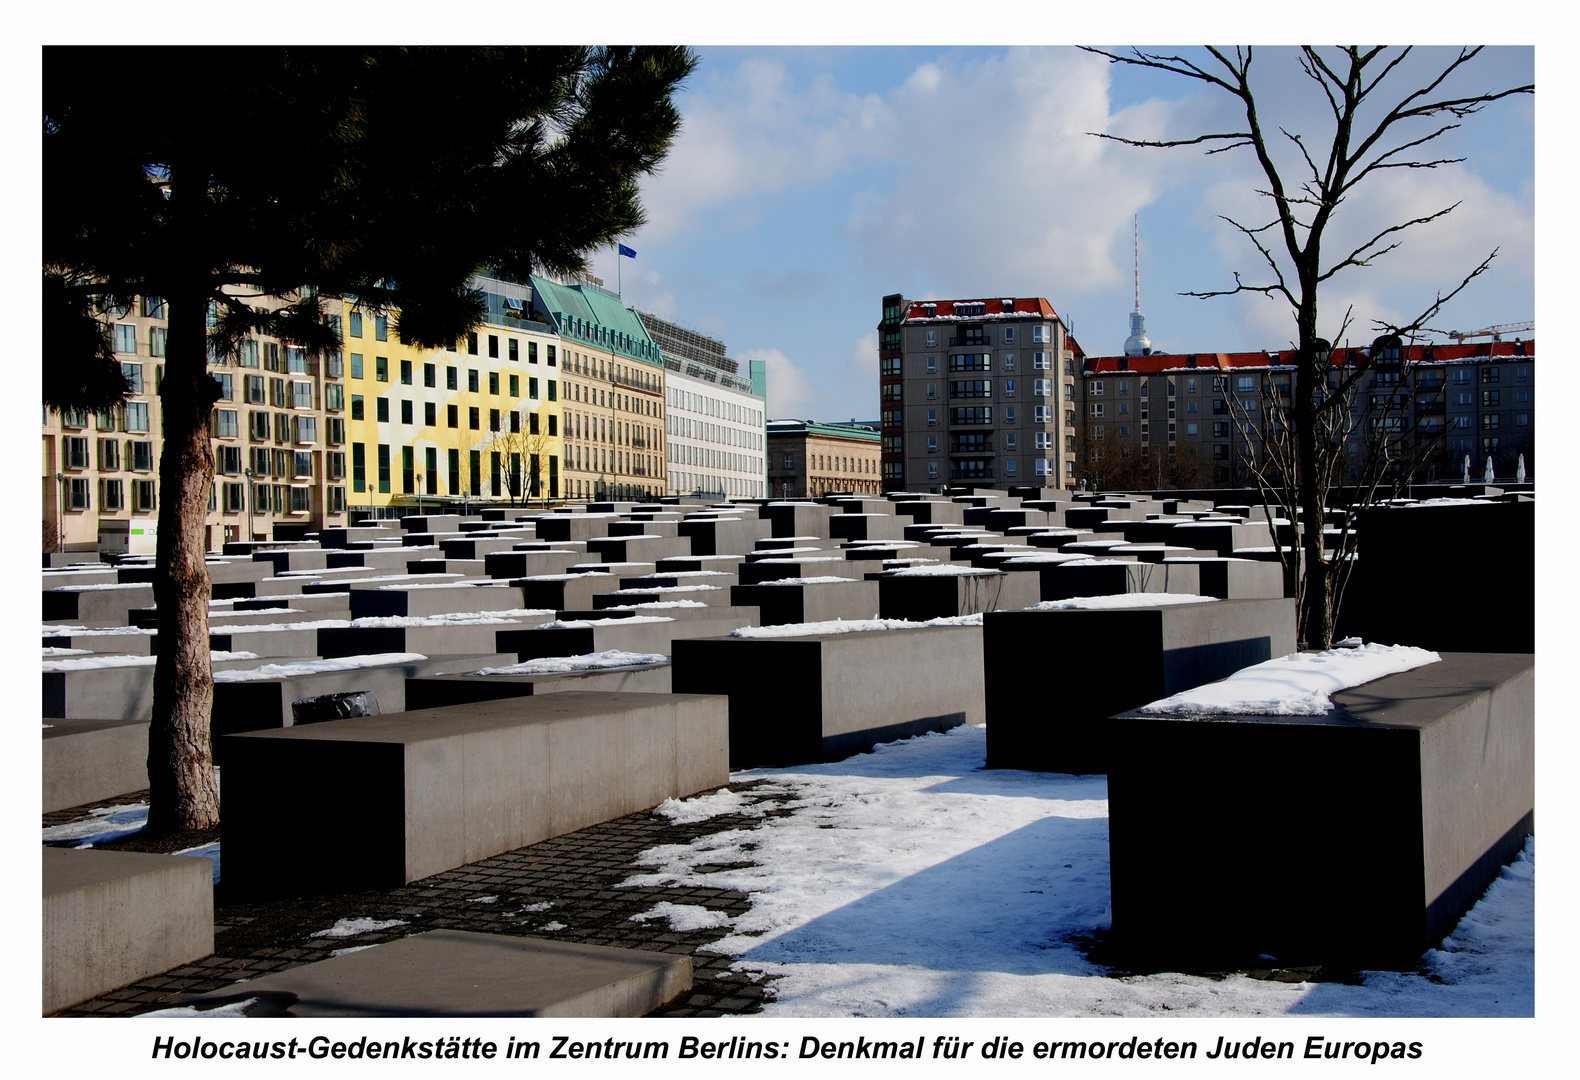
356	407
110	497
932	444
1489	374
144	494
405	412
515	383
355	320
1042	414
493	346
405	372
473	418
932	390
136	416
225	426
1097	388
471	380
356	365
429	414
1220	429
1190	429
932	417
1009	387
789	461
302	395
381	368
452	416
133	373
932	470
1096	408
931	339
1522	419
381	329
382	410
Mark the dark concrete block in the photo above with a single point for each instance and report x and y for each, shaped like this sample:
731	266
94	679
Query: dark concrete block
1446	577
1155	652
823	701
817	602
930	596
1400	808
1110	577
1237	579
438	691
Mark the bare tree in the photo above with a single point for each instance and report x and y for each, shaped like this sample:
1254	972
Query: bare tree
1371	132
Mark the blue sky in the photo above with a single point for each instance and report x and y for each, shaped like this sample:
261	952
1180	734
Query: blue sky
809	182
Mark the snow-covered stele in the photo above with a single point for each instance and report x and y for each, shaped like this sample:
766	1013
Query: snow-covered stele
1121	601
317	667
557	665
1293	685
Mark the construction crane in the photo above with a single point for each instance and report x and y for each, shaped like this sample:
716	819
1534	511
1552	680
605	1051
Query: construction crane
1495	332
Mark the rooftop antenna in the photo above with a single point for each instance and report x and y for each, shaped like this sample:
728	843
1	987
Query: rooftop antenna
1138	344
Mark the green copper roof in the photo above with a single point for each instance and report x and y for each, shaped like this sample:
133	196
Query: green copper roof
812	427
582	313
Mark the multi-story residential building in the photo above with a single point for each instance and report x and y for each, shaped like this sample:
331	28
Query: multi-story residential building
1161	420
984	392
278	433
476	422
891	388
611	393
716	420
808	459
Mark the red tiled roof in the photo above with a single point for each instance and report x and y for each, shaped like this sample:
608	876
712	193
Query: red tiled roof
992	306
1161	362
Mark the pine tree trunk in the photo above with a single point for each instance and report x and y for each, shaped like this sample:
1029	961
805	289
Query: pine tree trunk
183	795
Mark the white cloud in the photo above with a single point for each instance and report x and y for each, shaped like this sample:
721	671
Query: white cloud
751	132
792	392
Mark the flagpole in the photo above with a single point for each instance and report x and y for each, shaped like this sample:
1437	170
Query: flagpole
619	271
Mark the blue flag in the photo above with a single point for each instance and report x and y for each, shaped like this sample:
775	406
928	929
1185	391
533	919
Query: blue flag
627	252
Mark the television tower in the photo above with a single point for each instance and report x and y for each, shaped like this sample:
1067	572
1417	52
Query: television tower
1138	344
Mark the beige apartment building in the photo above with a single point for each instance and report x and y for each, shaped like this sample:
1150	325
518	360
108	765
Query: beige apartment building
278	432
612	393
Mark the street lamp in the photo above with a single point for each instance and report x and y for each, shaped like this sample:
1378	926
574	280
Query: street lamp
419	494
60	513
251	501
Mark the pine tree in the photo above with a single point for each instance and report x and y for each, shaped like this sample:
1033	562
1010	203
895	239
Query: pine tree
242	184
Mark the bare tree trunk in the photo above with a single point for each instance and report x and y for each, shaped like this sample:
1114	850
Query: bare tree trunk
1316	630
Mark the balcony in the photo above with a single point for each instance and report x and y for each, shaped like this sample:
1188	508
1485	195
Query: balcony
1430	408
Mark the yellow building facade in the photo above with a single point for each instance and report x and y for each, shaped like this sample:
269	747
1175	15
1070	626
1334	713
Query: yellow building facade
480	423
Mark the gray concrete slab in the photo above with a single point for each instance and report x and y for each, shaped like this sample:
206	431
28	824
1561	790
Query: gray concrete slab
416	598
439	788
827	702
465	974
790	602
922	597
89	760
1109	577
436	691
113	917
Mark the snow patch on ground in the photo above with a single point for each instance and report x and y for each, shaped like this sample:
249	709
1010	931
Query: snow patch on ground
684	917
345	928
317	667
1121	600
189	1012
550	927
912	882
349	950
1293	685
100	826
553	665
703	807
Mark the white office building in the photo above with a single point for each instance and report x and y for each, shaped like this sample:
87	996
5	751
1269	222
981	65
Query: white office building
716	420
